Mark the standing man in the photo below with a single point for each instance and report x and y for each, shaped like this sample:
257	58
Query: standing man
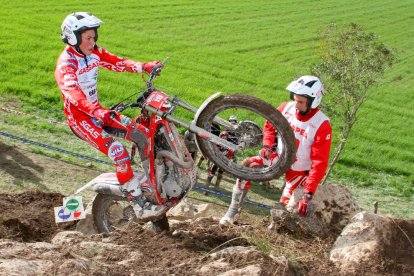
213	168
190	143
313	135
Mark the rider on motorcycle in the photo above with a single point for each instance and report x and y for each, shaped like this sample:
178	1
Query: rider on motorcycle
313	133
76	75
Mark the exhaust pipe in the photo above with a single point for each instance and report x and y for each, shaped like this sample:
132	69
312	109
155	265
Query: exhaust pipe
187	163
108	189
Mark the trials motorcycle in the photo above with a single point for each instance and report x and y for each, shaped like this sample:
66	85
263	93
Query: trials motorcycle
170	169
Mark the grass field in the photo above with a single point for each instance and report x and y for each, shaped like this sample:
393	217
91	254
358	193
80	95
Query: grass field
253	47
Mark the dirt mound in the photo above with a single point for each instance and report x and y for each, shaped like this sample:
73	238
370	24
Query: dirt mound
374	244
190	248
29	216
185	250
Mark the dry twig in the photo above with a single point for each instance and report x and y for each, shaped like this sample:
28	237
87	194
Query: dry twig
212	250
405	234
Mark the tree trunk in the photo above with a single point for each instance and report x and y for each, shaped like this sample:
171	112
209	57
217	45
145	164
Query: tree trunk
334	159
338	150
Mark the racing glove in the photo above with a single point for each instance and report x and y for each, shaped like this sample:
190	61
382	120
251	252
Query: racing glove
148	66
104	115
304	209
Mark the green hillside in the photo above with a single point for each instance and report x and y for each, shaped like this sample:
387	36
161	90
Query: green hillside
253	47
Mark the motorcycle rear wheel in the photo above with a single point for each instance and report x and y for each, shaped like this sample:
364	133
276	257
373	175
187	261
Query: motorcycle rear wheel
257	112
115	213
111	213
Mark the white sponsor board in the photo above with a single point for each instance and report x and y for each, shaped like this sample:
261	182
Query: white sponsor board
71	210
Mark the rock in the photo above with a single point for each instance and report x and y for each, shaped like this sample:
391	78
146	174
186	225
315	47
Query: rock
24	267
130	258
212	266
185	210
80	266
284	221
250	270
332	208
26	258
262	262
87	225
231	251
374	244
149	226
67	238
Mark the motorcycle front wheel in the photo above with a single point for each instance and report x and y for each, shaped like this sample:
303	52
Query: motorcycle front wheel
248	136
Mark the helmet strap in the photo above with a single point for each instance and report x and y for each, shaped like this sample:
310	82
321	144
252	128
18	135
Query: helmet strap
77	48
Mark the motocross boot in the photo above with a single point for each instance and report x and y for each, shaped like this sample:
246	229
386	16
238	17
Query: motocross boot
139	191
145	210
218	181
141	198
235	207
132	188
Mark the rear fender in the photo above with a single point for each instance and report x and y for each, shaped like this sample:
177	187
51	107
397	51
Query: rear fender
106	183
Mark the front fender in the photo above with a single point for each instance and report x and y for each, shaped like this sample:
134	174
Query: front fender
204	104
206	133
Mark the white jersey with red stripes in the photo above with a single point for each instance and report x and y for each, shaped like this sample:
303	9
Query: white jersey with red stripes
313	140
304	135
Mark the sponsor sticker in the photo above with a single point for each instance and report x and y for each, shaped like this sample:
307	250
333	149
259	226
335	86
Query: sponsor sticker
122	168
71	210
116	150
125	120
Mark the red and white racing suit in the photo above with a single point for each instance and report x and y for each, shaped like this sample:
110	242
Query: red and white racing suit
313	143
77	77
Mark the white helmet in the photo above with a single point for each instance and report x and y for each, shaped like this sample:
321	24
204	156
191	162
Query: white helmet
308	86
233	118
75	23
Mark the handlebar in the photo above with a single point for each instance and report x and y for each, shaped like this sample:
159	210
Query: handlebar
156	71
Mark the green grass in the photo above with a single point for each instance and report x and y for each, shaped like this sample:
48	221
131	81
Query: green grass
254	47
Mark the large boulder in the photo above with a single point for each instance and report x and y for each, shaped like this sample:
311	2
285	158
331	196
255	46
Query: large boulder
332	208
26	258
373	244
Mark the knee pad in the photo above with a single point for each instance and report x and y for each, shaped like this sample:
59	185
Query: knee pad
118	153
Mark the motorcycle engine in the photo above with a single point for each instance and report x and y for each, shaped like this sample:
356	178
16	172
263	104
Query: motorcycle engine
167	176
